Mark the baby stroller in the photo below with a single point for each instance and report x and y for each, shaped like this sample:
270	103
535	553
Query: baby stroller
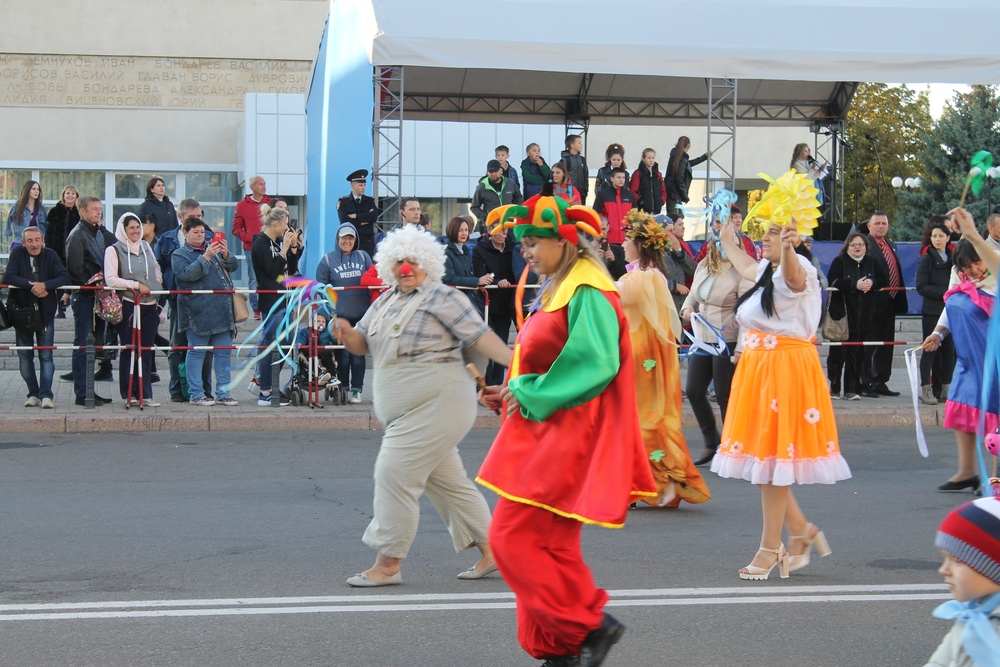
316	368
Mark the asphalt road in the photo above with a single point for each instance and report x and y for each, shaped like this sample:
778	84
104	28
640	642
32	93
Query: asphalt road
202	549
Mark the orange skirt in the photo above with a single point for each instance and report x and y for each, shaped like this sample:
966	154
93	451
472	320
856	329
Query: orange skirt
780	427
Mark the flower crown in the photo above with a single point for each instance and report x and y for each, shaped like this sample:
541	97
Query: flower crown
643	230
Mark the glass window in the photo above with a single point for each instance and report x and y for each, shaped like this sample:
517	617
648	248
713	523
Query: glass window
117	211
133	186
212	186
87	183
11	182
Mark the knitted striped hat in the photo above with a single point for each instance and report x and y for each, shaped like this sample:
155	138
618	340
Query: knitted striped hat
971	534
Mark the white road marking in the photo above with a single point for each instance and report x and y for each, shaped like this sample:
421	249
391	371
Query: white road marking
660	597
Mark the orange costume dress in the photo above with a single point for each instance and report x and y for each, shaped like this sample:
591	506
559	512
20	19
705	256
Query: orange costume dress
780	427
654	329
572	454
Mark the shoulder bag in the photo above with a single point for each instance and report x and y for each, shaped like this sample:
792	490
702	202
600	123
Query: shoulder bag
835	330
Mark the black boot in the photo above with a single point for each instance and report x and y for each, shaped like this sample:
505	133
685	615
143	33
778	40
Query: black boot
595	647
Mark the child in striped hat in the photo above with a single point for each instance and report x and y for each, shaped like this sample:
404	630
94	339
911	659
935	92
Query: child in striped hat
969	539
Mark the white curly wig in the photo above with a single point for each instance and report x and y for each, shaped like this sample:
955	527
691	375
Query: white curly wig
410	242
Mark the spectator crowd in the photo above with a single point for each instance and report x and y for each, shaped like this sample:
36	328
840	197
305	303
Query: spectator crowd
163	246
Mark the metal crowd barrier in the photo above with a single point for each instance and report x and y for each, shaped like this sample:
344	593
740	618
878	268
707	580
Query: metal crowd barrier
136	346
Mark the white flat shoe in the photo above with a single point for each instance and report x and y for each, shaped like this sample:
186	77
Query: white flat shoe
473	573
361	580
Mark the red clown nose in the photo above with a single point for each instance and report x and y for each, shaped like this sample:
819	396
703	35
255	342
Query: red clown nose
405	269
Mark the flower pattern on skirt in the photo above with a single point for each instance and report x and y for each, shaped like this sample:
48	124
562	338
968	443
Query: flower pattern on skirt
774	404
751	341
812	415
770	342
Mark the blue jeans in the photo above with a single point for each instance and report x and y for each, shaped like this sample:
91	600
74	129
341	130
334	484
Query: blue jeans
175	357
196	361
252	278
26	360
84	323
350	369
264	365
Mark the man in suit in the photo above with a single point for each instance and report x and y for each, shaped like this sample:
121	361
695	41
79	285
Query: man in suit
887	304
360	210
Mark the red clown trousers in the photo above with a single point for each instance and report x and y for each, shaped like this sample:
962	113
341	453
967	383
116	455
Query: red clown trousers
538	553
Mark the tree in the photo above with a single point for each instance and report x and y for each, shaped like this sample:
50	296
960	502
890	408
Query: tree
899	120
970	123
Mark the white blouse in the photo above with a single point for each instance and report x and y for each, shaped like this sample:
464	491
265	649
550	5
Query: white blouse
795	313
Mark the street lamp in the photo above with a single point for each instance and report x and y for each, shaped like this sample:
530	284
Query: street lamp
911	183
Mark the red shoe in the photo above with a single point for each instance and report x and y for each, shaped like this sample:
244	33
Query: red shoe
256	315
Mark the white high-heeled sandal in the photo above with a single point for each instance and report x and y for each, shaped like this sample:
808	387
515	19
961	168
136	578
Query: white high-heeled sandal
754	573
817	538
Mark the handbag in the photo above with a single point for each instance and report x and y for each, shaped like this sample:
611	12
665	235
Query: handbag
835	330
5	319
27	318
108	306
241	303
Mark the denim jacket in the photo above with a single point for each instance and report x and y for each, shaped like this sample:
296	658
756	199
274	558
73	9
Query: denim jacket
16	227
205	314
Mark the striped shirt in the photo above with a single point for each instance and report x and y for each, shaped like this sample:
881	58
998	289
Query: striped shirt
442	323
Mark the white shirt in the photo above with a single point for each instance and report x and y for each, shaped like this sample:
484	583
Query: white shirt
795	313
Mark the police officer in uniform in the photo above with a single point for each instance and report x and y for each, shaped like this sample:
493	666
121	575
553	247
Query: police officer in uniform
360	210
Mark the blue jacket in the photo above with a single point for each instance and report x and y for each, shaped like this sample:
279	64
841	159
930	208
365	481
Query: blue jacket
50	271
342	269
165	247
205	314
16	227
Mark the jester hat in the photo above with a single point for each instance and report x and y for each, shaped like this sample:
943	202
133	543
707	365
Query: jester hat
545	216
790	197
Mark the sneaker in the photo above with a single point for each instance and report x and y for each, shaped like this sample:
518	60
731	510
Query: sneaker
256	315
80	400
851	397
334	382
32	402
227	401
355	397
103	374
150	403
154	378
203	401
254	384
324	379
265	401
47	404
176	398
68	377
61	315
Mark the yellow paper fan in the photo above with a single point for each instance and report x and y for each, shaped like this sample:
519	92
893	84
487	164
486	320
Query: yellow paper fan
790	197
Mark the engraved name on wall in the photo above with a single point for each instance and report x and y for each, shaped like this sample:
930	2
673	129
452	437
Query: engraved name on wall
144	82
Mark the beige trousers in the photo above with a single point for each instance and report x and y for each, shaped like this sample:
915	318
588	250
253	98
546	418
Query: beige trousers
426	410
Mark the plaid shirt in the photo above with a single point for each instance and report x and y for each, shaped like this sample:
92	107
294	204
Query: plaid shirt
435	333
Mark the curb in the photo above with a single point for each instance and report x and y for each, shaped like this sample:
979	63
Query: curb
315	420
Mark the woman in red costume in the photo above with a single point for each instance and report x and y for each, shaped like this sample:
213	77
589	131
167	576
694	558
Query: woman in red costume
570	450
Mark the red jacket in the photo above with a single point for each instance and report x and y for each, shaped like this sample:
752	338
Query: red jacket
246	219
370	279
614	204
